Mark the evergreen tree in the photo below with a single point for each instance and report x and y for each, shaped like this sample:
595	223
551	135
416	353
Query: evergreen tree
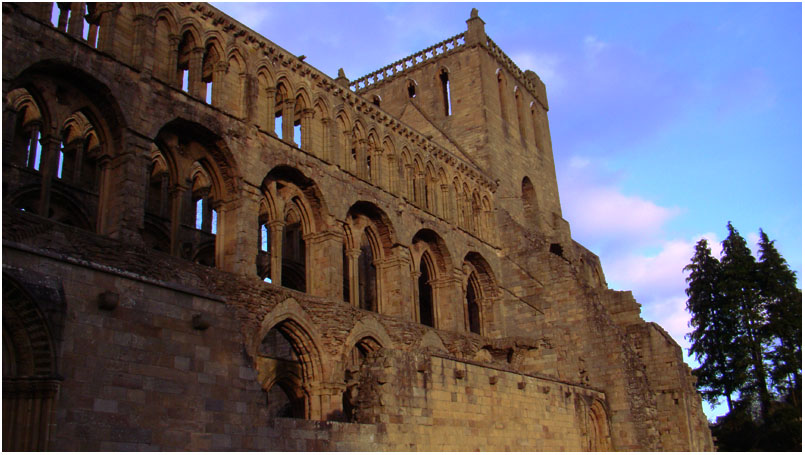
739	285
713	324
783	301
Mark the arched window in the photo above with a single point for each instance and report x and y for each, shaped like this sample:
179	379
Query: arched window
425	292
445	80
367	275
284	396
473	310
411	89
502	93
185	50
529	199
293	252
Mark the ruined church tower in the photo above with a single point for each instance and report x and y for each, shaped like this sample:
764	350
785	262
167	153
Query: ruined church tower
209	244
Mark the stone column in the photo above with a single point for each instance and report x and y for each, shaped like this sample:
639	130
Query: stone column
236	240
219	88
174	76
276	227
325	143
63	15
325	264
352	262
446	314
177	193
446	206
121	195
377	166
48	164
271	114
75	27
307	133
9	127
287	120
195	86
106	39
143	36
399	292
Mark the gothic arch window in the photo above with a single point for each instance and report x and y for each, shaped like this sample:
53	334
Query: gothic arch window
480	290
432	275
293	250
411	86
473	305
529	199
598	439
369	238
518	105
502	94
279	355
30	378
376	100
290	213
444	78
209	77
425	314
356	358
187	45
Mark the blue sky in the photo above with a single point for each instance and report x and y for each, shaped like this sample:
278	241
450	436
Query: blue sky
667	120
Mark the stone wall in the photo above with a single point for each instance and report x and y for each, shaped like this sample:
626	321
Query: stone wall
192	275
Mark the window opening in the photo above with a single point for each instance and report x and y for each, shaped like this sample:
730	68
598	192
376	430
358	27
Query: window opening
445	92
199	213
345	265
208	97
367	276
264	238
297	133
37	151
473	313
185	79
376	100
54	15
61	164
214	227
411	89
278	124
425	295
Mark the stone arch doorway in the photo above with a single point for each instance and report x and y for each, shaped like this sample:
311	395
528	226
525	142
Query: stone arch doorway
30	379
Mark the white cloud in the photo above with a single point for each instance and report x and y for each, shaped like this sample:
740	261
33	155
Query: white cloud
579	162
593	46
658	281
545	65
604	211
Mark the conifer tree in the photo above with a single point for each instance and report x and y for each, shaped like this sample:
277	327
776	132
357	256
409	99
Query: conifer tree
714	325
739	285
783	301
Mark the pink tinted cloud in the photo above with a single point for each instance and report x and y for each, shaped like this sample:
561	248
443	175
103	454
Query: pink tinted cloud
604	211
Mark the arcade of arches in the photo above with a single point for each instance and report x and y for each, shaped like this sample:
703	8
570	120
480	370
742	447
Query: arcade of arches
196	218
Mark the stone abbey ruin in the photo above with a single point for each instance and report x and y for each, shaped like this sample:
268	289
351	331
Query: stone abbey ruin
209	244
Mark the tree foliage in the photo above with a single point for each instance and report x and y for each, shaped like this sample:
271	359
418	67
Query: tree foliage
746	321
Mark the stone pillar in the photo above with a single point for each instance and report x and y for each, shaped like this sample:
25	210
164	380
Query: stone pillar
307	133
195	86
106	39
174	76
236	240
325	143
31	155
409	182
325	264
352	262
143	52
75	27
121	201
63	15
219	88
271	114
287	120
399	292
415	294
377	166
177	193
9	127
446	313
48	164
446	207
276	228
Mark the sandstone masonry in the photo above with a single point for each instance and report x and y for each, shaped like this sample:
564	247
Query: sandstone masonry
208	244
